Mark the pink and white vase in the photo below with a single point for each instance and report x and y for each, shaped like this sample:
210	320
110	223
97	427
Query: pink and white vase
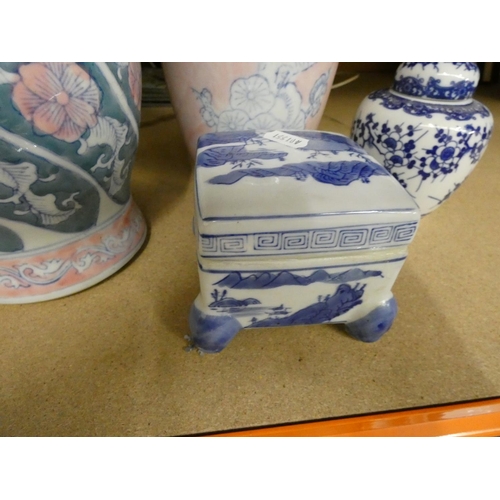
215	97
68	137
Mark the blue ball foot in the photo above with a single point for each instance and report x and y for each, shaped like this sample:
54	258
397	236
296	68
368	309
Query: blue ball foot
211	333
372	326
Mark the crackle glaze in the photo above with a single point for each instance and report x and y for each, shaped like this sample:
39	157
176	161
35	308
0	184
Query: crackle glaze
295	228
68	137
426	130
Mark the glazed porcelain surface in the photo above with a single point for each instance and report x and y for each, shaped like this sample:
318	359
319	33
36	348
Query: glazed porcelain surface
68	137
224	97
295	228
426	130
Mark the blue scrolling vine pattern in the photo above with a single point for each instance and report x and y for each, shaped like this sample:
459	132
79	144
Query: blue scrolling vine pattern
425	109
417	82
469	66
417	87
398	146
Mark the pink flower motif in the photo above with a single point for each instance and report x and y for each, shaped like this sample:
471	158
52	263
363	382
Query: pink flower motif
60	99
135	82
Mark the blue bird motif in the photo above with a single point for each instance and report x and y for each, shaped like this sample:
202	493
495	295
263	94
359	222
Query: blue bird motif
215	157
338	173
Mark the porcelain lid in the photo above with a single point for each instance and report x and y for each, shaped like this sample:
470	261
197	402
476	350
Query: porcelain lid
251	182
452	81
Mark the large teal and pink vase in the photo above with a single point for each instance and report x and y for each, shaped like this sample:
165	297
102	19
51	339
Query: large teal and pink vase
68	138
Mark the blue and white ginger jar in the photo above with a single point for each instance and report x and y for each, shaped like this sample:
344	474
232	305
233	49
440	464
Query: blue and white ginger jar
426	130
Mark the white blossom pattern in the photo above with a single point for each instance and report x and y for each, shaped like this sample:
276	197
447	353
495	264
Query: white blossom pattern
266	100
252	95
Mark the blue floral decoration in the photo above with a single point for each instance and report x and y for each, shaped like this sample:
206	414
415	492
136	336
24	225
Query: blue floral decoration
398	145
415	108
416	87
468	66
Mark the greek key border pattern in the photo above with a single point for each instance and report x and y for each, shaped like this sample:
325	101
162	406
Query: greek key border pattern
308	241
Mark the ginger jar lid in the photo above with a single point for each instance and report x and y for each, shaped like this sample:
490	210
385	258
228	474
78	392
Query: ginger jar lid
451	81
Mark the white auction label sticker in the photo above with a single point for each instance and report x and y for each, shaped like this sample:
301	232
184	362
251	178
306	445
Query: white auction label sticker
288	139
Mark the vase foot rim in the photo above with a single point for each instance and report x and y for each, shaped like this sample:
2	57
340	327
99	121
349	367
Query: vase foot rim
81	265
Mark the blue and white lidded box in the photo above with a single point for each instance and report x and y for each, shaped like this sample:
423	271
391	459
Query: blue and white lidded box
295	228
